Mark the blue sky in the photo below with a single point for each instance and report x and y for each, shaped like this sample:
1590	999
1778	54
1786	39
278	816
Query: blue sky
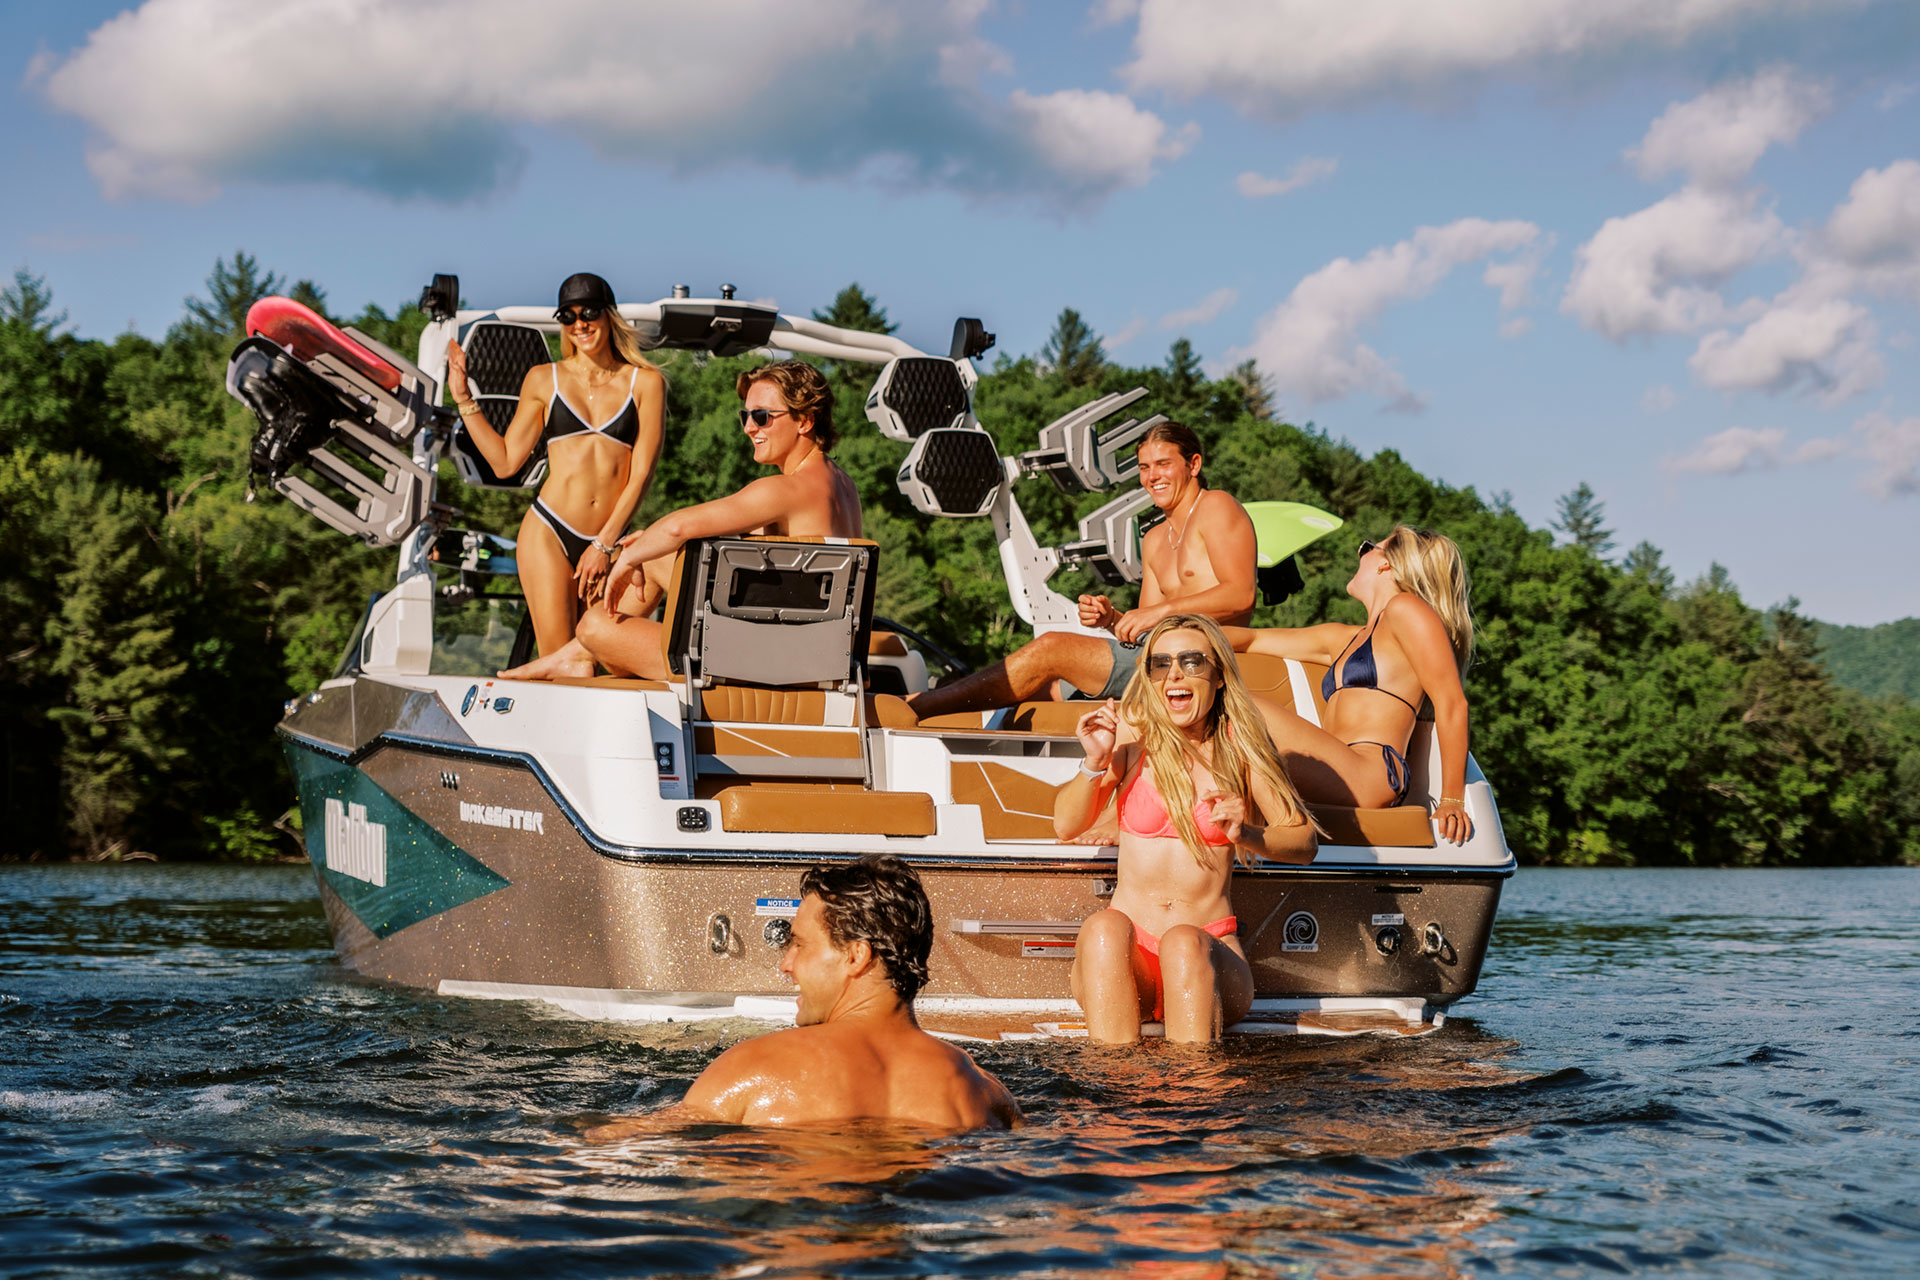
1670	249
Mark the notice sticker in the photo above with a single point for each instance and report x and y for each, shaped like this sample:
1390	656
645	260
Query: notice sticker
785	907
1392	917
1053	948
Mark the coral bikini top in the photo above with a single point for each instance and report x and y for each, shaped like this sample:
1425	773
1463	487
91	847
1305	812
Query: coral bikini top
1143	812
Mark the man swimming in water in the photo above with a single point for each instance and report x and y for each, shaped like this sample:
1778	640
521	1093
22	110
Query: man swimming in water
1200	559
858	953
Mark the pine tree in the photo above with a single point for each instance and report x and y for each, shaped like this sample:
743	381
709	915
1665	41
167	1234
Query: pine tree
27	304
1073	353
854	308
231	290
1645	562
1580	519
1253	385
1184	375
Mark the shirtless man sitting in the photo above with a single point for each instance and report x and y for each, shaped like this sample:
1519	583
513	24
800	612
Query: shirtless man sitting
1200	559
788	415
858	952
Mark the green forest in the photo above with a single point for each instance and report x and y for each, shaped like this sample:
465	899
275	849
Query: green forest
1878	661
155	619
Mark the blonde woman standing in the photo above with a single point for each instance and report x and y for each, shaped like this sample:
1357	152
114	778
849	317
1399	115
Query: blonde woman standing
599	410
1415	644
1200	787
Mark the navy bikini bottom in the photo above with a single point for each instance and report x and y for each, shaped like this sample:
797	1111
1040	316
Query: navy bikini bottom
572	541
1399	776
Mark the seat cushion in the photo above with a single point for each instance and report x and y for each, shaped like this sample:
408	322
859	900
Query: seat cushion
1407	826
797	808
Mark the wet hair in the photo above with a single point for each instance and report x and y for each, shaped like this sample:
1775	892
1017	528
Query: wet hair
803	387
1242	747
1178	435
1430	565
585	287
878	900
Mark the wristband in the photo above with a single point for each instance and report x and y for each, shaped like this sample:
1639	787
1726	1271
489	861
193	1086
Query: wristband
1459	800
603	548
1101	772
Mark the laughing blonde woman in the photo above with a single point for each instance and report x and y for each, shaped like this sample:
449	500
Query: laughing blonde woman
1200	787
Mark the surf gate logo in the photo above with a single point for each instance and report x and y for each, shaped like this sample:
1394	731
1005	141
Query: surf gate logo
355	846
1302	933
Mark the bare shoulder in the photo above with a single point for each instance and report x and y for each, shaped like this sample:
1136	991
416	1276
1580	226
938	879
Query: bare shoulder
1219	510
1407	614
649	381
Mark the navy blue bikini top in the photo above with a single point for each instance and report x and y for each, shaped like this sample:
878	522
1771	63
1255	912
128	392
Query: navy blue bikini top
563	421
1359	673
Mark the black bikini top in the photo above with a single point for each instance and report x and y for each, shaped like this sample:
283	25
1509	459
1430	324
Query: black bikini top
563	420
1359	673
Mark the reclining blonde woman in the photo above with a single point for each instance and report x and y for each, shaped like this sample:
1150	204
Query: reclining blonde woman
1415	644
1200	786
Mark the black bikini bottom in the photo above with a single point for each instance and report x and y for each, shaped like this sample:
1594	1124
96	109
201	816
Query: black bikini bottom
572	541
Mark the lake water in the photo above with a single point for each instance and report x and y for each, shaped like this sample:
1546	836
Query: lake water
1664	1072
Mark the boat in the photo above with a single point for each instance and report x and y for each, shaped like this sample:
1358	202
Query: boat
631	849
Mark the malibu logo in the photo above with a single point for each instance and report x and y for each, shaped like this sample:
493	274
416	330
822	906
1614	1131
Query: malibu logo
356	847
493	815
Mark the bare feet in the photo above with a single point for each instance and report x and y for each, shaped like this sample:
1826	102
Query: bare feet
569	661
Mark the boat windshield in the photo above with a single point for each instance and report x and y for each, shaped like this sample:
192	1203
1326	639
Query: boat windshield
475	637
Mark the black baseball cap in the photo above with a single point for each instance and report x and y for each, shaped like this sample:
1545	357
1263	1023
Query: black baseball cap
584	288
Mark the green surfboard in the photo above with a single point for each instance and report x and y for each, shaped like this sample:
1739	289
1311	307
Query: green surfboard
1282	528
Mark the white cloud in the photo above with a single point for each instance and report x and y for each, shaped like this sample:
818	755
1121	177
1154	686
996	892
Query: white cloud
1730	452
1893	450
1310	344
1278	58
1874	236
1716	138
1203	312
1659	398
1305	172
1659	270
1826	346
1516	326
1097	138
1890	447
436	98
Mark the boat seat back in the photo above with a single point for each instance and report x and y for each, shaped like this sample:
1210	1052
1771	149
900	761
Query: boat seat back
779	613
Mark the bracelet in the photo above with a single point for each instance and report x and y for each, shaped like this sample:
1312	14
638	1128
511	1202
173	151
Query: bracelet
1095	773
467	406
1459	800
603	548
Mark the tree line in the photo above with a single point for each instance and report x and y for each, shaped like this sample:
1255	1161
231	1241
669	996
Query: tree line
155	618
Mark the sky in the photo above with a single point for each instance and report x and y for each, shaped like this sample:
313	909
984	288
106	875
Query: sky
1668	248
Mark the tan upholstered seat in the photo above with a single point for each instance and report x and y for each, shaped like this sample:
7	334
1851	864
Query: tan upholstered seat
1406	827
790	809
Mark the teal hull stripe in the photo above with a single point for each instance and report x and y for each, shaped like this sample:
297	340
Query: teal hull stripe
389	867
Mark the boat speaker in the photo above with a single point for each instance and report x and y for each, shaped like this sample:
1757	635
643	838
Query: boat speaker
952	471
917	394
499	357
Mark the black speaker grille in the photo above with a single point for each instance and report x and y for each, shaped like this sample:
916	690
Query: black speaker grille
500	355
926	392
961	467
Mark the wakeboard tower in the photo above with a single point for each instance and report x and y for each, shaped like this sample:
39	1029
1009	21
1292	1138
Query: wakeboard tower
631	849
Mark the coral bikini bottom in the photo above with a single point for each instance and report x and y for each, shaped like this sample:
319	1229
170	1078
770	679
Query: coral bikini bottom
1147	947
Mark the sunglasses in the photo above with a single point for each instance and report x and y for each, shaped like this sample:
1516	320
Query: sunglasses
1192	662
587	314
1366	546
761	417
